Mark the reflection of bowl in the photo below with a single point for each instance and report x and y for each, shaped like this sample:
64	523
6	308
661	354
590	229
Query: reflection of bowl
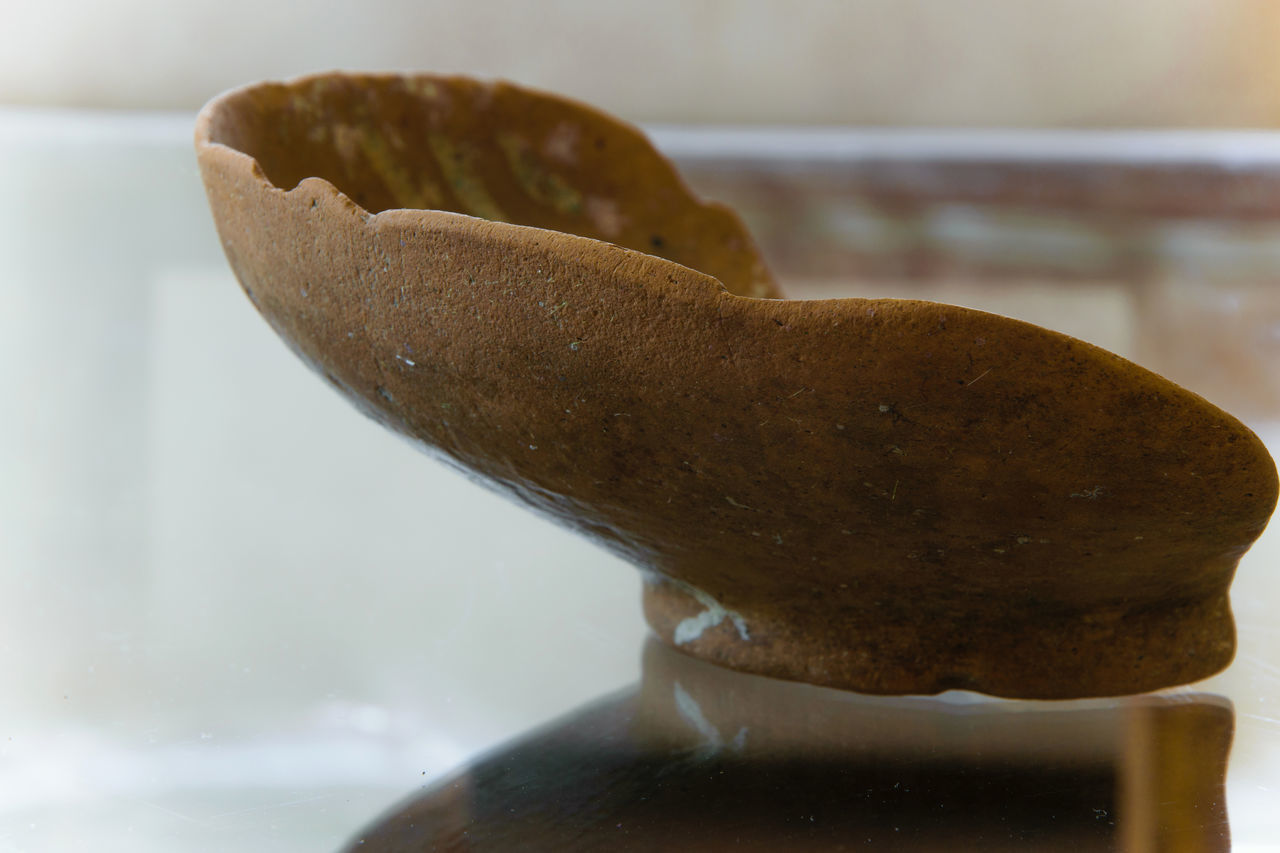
885	495
704	759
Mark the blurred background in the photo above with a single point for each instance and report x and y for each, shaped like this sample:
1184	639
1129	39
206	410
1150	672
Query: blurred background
979	63
235	613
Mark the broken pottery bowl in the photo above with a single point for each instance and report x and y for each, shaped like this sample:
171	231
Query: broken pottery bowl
882	495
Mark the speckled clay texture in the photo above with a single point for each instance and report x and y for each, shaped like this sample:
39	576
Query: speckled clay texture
882	495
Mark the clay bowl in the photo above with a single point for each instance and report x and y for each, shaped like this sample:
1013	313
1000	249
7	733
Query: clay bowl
882	495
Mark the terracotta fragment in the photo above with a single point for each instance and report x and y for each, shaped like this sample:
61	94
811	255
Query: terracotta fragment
881	495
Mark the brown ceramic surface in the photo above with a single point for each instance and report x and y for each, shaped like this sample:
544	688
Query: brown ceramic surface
882	495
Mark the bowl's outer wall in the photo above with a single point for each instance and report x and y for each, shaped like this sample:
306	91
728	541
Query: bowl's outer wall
884	495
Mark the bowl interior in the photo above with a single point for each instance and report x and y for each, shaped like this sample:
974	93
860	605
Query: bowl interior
493	151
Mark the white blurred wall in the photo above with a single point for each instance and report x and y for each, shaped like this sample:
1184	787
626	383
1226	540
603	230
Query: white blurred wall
912	62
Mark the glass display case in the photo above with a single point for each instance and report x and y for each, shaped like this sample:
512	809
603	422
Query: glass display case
235	614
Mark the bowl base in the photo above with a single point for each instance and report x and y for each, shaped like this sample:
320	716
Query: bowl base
1037	654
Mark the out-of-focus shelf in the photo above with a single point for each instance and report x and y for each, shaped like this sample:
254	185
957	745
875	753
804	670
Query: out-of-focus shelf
1161	246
